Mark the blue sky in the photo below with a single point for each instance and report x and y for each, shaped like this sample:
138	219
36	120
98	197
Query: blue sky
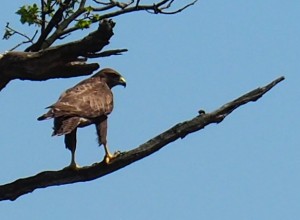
245	168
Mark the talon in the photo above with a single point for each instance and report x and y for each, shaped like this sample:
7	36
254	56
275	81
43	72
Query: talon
73	166
110	157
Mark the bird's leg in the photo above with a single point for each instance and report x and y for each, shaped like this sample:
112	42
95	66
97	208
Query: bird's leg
73	163
102	133
70	142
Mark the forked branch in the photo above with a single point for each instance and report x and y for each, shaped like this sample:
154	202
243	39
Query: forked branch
12	191
64	23
64	61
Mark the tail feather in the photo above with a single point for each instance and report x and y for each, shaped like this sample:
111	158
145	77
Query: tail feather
48	115
64	126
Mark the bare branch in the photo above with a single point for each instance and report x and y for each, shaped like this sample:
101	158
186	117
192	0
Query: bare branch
101	3
107	53
178	10
24	42
137	3
17	32
121	5
56	62
12	191
108	7
154	9
12	31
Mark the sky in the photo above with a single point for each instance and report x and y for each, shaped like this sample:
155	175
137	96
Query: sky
245	168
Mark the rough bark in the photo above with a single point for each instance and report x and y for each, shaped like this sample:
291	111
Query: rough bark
12	191
64	61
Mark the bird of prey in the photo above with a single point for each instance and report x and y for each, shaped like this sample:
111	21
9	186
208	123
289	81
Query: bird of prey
88	102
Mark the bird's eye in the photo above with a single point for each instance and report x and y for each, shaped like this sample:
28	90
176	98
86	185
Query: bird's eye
115	76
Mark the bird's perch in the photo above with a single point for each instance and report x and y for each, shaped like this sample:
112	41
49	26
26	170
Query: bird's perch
12	191
63	61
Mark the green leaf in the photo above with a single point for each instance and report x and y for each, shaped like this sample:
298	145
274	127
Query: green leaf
48	8
82	24
8	33
95	17
89	9
29	14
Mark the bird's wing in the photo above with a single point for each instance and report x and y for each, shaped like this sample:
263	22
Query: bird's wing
89	99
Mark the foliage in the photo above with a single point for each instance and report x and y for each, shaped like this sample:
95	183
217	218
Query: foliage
57	19
29	14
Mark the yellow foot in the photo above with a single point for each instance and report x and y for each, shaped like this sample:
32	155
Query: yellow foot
110	157
72	166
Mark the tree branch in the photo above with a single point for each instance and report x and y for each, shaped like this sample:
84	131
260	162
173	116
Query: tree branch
43	16
12	191
157	8
9	31
63	25
57	17
107	53
60	26
56	62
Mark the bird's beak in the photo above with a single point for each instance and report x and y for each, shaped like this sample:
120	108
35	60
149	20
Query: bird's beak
122	81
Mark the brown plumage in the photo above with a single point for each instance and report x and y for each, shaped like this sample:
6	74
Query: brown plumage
88	102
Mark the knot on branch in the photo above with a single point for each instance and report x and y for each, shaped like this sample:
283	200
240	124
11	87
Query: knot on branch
201	112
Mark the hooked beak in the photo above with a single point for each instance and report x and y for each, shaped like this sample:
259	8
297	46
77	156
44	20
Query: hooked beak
122	81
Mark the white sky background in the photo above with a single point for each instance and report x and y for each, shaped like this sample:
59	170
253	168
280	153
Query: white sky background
246	168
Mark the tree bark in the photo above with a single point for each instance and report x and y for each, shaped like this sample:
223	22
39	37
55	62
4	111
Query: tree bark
64	61
12	191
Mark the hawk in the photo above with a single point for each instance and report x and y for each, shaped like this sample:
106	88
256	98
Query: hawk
88	102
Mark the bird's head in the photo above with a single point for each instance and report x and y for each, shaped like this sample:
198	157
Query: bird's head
111	77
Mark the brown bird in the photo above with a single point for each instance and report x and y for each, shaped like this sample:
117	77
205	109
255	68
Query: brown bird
88	102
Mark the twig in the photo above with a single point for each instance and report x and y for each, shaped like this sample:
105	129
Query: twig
12	191
28	39
137	3
106	53
153	9
101	3
178	10
24	42
63	29
19	33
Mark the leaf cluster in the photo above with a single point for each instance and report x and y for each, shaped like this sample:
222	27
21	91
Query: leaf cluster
29	14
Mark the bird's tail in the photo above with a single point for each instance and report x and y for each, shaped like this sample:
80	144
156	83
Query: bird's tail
64	126
48	115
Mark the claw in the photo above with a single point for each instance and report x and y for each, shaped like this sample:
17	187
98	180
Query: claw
73	166
110	157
